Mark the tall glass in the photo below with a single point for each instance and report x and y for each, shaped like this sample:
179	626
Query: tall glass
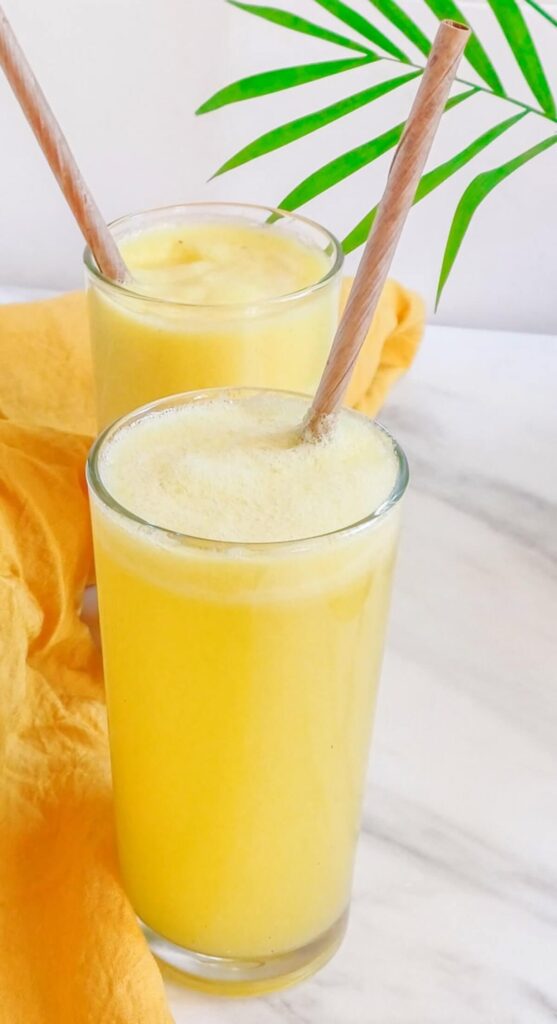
146	347
241	682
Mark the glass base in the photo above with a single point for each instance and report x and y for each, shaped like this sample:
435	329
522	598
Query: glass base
245	977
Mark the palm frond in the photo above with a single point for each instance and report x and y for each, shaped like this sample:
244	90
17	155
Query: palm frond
436	177
356	21
400	20
283	134
474	51
341	167
280	17
369	44
346	164
542	10
281	78
471	198
517	34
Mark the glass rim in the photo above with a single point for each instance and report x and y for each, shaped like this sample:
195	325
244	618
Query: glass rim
120	288
101	492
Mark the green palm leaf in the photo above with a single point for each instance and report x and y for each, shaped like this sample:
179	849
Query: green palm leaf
292	130
542	11
370	44
292	21
518	36
340	168
471	198
397	17
356	21
348	163
474	51
434	178
281	78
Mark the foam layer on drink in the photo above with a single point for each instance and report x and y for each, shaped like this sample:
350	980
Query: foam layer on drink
220	263
232	468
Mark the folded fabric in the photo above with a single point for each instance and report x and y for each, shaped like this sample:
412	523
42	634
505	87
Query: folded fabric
389	348
47	374
71	950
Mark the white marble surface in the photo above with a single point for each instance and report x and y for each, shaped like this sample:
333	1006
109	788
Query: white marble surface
454	917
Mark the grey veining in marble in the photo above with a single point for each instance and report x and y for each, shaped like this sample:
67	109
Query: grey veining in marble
454	917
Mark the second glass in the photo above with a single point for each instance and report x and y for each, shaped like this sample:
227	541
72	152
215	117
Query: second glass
149	346
241	680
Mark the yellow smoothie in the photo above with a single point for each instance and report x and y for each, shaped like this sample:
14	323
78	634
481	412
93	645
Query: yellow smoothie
241	674
212	303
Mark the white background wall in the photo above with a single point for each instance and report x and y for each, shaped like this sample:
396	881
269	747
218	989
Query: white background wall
125	76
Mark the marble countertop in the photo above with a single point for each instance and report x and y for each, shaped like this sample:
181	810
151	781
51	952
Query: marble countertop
454	916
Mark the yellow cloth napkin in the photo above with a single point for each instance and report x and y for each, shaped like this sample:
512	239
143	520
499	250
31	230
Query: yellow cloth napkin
70	949
389	348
